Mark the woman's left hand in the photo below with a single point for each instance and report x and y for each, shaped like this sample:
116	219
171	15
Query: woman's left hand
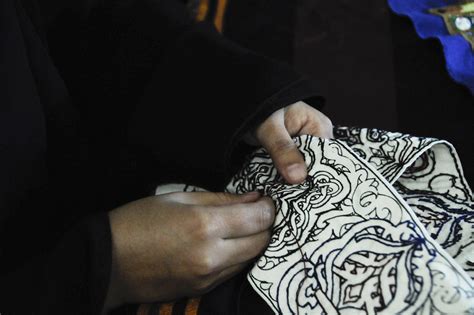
275	133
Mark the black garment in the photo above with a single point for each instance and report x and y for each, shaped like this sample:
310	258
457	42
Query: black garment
381	73
375	72
99	102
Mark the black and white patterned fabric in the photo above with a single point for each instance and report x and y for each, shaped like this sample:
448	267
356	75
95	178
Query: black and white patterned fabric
383	224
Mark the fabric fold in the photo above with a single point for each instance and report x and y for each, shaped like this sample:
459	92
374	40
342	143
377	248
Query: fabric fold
384	223
345	241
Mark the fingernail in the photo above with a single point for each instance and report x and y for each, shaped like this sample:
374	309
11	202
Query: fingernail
296	172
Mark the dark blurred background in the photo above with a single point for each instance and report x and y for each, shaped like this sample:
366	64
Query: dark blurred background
371	66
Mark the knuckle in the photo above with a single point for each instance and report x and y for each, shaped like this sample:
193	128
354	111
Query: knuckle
205	265
296	105
321	124
264	216
300	104
202	226
175	196
293	112
294	121
299	109
327	122
323	120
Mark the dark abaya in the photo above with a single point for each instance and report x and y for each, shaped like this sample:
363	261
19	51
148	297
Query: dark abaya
99	103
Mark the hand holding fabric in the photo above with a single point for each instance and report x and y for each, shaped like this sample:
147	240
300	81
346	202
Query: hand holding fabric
275	133
184	244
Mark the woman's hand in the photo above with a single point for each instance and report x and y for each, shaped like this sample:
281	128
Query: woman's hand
275	133
184	244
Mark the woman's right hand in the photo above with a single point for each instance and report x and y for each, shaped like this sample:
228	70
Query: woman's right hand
184	244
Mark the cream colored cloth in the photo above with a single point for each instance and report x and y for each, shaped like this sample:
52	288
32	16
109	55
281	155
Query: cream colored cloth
382	225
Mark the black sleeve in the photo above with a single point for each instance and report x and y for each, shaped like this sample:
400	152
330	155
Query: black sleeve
184	92
142	75
205	93
71	279
54	258
214	91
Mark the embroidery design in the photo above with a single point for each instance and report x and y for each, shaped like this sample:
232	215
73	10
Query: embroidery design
382	225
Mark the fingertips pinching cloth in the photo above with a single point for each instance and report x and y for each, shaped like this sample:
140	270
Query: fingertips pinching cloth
383	224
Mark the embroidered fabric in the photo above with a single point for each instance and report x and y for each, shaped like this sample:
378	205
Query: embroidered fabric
382	224
457	52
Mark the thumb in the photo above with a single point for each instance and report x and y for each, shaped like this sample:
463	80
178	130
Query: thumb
285	155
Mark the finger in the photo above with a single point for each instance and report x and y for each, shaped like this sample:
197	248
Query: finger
238	250
214	198
239	220
302	119
323	124
315	129
296	117
285	155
